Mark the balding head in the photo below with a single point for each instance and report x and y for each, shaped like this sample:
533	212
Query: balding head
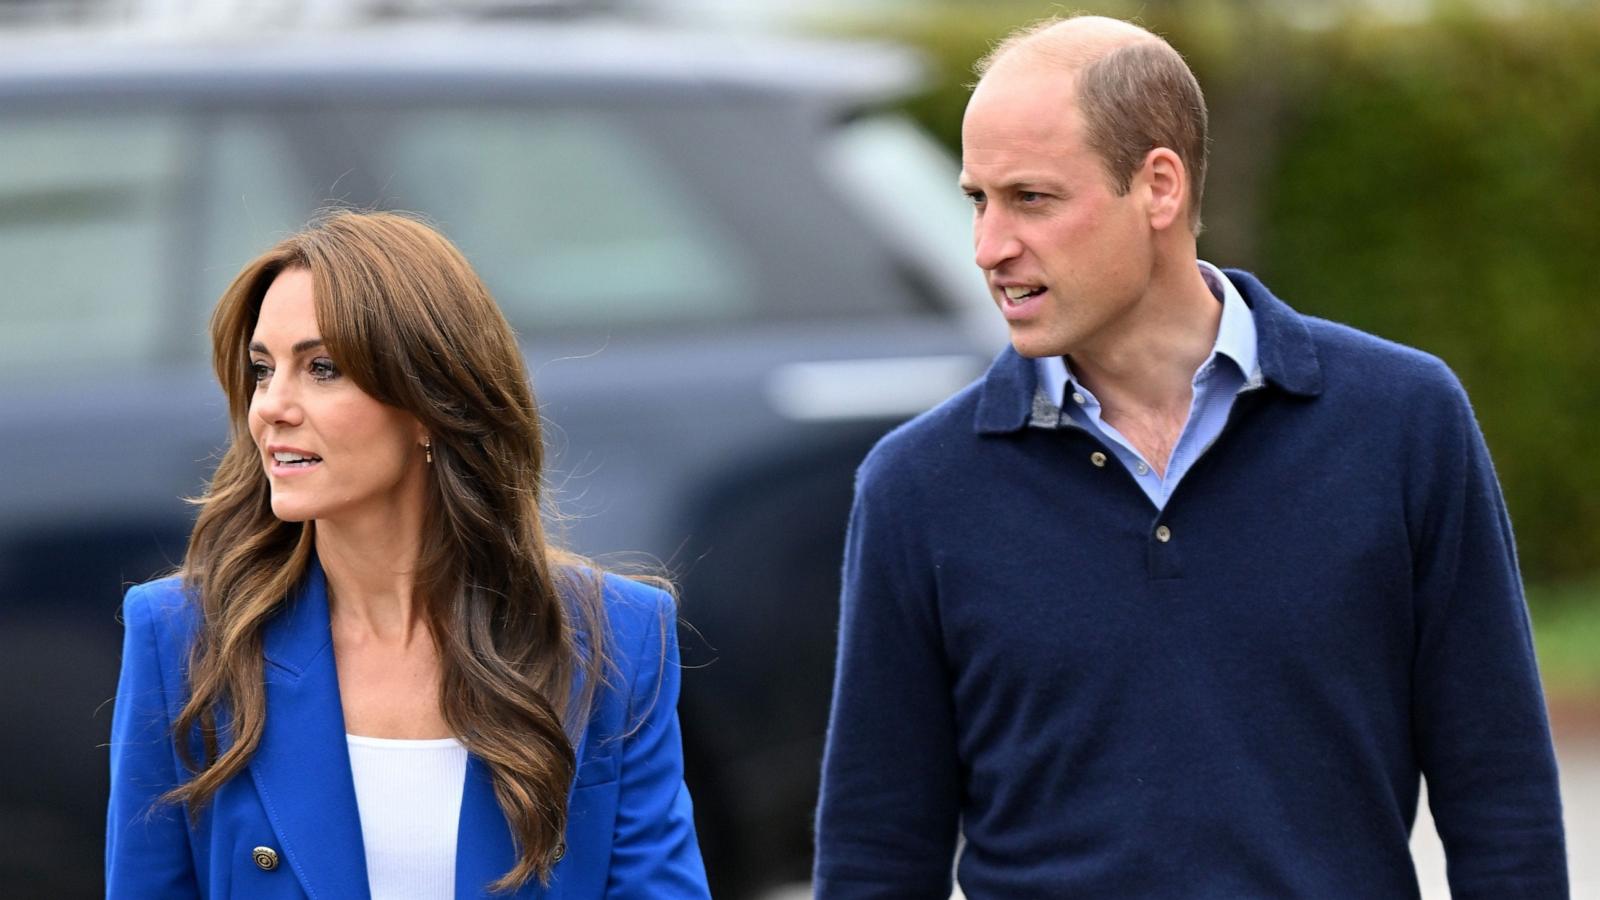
1134	91
1068	44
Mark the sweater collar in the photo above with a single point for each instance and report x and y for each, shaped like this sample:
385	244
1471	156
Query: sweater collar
1285	353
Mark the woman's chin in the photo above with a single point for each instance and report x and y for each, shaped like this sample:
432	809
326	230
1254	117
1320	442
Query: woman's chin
289	511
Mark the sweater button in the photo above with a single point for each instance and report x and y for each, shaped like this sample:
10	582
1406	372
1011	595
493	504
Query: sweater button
1163	533
1098	458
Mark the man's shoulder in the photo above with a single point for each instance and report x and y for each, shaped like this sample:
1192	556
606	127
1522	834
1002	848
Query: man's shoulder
931	441
1349	363
1347	345
1376	370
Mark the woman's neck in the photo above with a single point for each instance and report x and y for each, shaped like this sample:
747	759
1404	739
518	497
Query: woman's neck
371	576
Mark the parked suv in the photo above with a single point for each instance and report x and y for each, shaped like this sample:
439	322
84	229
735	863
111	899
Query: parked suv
730	276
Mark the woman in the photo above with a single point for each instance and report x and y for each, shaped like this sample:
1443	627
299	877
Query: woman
372	675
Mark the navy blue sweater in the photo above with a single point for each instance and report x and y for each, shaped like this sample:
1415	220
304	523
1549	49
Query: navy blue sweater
1233	697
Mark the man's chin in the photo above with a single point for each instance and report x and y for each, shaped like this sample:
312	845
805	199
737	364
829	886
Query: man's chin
1032	346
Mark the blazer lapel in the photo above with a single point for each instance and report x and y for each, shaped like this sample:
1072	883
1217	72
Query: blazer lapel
302	767
484	850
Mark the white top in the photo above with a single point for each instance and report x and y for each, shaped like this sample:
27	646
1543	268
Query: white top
408	794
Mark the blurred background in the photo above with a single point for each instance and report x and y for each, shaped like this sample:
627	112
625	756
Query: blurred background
730	237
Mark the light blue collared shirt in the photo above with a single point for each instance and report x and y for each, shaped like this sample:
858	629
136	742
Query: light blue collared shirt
1232	367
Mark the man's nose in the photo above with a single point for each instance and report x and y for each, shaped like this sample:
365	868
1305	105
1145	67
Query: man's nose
993	239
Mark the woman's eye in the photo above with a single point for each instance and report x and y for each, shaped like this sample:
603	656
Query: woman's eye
324	370
259	372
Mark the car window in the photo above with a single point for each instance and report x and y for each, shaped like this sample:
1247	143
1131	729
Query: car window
571	219
88	206
896	174
257	191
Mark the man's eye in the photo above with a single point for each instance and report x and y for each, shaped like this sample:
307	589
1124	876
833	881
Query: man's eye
976	197
324	370
1029	196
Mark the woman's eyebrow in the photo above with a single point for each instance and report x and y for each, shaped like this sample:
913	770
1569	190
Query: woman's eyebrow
299	347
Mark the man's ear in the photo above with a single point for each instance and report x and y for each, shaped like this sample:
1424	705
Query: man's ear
1166	182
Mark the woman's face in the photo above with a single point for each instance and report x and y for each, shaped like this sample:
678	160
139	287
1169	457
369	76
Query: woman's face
331	452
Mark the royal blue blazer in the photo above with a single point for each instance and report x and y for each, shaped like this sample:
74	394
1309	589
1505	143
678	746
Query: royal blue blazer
630	828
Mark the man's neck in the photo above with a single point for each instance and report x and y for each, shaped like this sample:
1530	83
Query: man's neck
1144	376
1147	367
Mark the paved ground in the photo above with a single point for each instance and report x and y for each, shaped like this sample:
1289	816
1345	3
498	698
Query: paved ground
1579	758
1577	746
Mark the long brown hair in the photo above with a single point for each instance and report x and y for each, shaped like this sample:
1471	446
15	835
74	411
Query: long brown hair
520	625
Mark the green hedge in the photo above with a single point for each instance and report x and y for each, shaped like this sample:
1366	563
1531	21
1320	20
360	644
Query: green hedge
1436	182
1439	185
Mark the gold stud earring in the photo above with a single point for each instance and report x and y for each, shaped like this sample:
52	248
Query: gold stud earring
427	447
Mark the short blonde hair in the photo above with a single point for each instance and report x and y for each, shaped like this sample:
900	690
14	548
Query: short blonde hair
1134	97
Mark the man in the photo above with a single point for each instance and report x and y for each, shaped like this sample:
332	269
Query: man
1183	597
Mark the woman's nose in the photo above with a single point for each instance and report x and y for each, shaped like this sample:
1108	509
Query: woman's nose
275	402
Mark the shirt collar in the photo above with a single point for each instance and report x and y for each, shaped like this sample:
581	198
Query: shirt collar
1236	333
1285	357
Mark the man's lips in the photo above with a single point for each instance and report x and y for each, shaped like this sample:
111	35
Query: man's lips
1018	292
1017	296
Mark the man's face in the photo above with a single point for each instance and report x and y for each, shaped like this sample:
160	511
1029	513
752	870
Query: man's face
1067	259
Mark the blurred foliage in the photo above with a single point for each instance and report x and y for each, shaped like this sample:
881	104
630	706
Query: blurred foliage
1434	180
1438	184
1566	631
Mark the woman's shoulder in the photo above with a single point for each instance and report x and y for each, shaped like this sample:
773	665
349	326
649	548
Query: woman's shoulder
638	614
631	597
164	606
